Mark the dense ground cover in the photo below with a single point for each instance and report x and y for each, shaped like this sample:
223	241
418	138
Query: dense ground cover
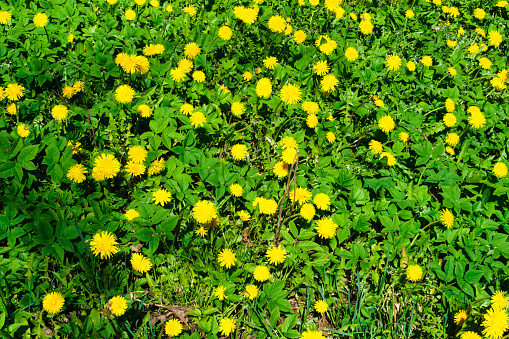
293	169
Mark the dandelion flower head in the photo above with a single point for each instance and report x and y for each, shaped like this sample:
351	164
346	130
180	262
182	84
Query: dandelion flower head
53	302
204	211
227	326
226	258
173	327
414	273
496	322
104	244
140	263
446	218
118	305
276	255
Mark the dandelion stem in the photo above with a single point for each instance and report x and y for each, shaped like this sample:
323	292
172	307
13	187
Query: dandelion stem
425	168
295	164
275	111
114	328
436	109
207	52
417	236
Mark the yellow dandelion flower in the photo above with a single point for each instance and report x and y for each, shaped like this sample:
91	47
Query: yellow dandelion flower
244	215
177	74
131	214
321	306
299	36
366	27
280	169
118	305
321	68
140	263
498	299
376	147
192	50
386	124
226	258
496	323
173	327
198	119
219	293
247	76
198	76
330	137
452	139
14	92
414	273
307	211
460	317
351	54
22	130
204	211
68	92
225	33
391	159
227	326
261	273
479	13
392	62
236	190
470	335
76	173
189	10
53	302
404	136
322	201
495	38
263	88
277	24
300	195
411	66
290	94
185	65
446	218
124	94
156	167
500	170
40	20
270	62
237	108
485	63
104	244
328	83
5	16
276	255
130	15
239	151
144	111
427	61
326	228
251	291
135	168
161	196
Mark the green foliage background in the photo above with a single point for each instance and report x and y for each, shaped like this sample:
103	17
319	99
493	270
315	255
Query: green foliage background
385	214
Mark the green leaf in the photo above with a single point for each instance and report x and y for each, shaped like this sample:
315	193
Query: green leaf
473	276
28	153
289	323
274	316
7	169
166	227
